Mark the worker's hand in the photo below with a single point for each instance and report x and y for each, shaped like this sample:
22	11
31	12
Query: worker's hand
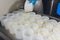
33	1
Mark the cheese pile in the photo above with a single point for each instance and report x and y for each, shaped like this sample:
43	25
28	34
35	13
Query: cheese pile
31	26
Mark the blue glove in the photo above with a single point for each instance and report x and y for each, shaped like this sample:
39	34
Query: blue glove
33	1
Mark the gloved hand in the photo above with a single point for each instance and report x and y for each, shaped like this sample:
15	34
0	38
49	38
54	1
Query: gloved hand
33	1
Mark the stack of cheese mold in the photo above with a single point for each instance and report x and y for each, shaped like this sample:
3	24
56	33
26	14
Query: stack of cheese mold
31	26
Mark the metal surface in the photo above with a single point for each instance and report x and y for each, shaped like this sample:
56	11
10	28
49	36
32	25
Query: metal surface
4	37
51	6
5	34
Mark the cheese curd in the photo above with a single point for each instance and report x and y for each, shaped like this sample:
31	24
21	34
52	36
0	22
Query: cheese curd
31	26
